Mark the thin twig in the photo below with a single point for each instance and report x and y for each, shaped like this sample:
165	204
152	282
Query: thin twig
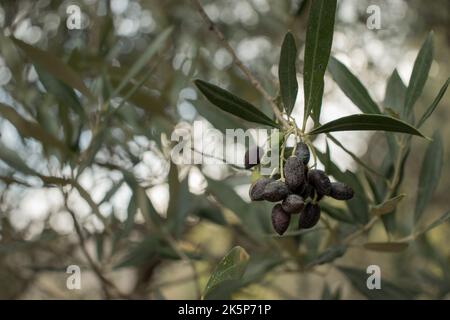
95	268
258	86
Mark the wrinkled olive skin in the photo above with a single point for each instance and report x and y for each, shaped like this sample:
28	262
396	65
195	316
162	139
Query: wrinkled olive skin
257	189
309	217
280	219
320	181
253	157
341	191
294	174
308	192
302	152
293	204
275	191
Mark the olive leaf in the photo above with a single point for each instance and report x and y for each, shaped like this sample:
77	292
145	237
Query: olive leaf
231	268
232	104
386	246
62	92
434	104
430	174
11	158
442	219
287	73
352	87
419	74
31	129
387	206
319	37
142	61
394	96
53	65
364	122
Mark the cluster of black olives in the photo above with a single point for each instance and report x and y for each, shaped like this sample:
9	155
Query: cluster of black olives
299	193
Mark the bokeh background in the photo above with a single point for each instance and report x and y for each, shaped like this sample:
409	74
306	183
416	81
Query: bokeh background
38	238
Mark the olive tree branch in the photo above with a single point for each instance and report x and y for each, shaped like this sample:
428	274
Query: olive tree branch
258	86
106	283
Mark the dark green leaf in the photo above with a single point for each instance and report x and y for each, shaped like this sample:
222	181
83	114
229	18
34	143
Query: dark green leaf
55	67
435	103
394	96
352	87
319	36
430	173
329	255
232	104
287	73
231	268
181	201
336	213
62	92
419	74
386	246
359	208
364	122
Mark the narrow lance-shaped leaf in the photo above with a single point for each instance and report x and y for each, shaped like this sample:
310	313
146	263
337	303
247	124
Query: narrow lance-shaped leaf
394	97
62	92
31	129
352	87
442	219
430	174
11	158
419	74
287	73
319	36
232	104
387	206
144	58
367	122
232	267
55	67
434	104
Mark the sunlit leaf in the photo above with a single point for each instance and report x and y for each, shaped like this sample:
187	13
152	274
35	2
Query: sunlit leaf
287	72
231	268
319	36
367	122
232	104
352	87
430	174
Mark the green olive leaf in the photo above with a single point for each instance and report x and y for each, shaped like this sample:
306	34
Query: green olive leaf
367	122
287	73
232	104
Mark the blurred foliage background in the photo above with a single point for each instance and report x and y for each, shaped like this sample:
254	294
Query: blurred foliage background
104	196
